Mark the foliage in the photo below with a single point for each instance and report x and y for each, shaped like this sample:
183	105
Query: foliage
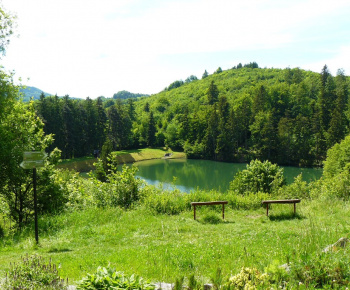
321	270
127	95
338	158
298	189
20	130
288	116
7	25
336	187
109	278
248	279
33	272
120	189
28	93
258	176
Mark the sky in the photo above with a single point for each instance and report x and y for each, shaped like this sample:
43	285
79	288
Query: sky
92	48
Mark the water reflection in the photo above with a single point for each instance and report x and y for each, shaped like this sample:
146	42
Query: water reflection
187	174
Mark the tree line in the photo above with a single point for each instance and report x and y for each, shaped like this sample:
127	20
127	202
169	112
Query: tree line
287	116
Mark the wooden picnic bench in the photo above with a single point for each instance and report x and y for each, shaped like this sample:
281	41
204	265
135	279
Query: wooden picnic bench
194	204
267	202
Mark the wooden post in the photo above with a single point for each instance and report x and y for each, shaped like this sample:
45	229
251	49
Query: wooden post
35	207
194	212
294	208
267	209
223	211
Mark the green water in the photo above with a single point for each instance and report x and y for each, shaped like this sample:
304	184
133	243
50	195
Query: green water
187	174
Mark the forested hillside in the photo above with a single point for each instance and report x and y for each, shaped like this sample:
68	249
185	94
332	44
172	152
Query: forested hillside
27	93
289	116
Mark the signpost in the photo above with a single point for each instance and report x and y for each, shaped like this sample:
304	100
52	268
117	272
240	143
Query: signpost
34	160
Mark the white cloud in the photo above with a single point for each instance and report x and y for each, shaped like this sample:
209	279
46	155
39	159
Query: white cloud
91	48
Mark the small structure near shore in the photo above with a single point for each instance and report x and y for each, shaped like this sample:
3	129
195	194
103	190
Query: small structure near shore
167	155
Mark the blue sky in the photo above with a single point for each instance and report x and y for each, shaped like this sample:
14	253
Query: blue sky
99	47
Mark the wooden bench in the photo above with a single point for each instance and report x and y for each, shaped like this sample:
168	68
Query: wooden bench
267	202
194	204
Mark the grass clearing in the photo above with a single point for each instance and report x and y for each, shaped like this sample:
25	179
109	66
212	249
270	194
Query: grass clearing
163	248
86	164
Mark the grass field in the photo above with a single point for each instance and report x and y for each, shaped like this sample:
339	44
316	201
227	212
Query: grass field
163	248
85	164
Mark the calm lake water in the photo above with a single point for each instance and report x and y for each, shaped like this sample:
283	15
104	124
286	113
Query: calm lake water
188	174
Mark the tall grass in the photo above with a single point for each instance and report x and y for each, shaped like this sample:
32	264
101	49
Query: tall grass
165	247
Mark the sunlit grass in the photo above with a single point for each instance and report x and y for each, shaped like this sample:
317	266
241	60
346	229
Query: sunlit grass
163	248
85	164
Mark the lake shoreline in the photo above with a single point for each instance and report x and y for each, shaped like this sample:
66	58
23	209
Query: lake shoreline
86	164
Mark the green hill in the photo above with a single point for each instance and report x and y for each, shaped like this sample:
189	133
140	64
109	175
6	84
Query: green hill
288	116
28	93
127	95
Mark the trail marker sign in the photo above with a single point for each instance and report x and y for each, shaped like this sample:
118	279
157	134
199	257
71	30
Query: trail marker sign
34	160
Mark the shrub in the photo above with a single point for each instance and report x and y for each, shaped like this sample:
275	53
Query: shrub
121	189
33	273
297	189
337	186
258	176
337	158
162	201
248	278
325	270
108	278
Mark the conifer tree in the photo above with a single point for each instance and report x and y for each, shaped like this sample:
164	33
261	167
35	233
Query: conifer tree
212	93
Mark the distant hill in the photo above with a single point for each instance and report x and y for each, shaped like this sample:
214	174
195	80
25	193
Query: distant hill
127	95
31	92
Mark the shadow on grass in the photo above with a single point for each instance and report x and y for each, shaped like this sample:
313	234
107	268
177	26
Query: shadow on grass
56	250
212	219
285	216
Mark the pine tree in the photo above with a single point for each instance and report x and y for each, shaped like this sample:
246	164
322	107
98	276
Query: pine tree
151	131
205	74
212	93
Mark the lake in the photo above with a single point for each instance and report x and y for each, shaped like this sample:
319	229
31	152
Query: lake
189	174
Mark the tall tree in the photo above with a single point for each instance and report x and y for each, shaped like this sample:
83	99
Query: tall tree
212	93
205	74
101	124
7	23
151	130
210	138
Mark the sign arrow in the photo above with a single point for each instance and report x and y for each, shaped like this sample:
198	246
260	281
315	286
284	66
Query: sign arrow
34	155
30	164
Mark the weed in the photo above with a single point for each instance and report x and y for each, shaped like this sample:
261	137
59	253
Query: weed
33	273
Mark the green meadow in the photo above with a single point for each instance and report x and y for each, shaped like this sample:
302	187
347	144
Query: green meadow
165	247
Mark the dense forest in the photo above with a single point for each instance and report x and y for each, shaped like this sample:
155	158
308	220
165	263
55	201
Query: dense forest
288	116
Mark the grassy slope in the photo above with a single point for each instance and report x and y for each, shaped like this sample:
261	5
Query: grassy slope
86	164
162	248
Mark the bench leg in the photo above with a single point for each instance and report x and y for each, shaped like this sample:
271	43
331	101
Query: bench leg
194	212
295	208
267	209
223	211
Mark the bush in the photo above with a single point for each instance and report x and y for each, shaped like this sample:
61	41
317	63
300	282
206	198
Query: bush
297	189
33	273
248	278
325	270
337	186
161	201
337	158
108	278
258	176
121	189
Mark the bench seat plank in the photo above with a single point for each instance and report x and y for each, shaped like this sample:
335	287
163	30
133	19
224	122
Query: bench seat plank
267	202
208	202
281	201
